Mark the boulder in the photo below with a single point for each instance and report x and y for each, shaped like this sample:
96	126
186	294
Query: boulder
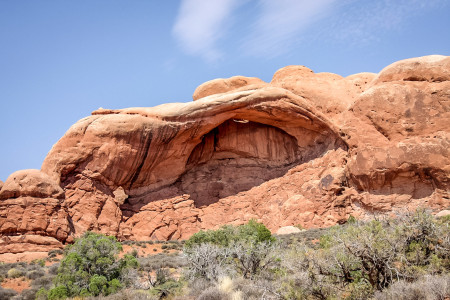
32	183
221	85
32	213
443	213
288	230
330	93
432	68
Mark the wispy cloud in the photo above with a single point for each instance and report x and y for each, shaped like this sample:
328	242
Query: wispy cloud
363	23
280	23
200	24
270	28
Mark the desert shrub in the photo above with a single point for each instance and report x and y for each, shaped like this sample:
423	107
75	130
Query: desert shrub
155	269
427	242
39	262
237	288
126	294
253	259
257	289
134	253
198	285
53	269
351	220
28	294
58	251
169	288
307	237
207	261
7	293
15	273
18	266
53	253
213	293
253	232
360	258
35	274
90	267
247	250
44	281
428	287
162	260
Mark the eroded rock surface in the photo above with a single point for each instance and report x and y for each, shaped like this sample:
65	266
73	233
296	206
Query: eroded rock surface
33	215
307	148
221	85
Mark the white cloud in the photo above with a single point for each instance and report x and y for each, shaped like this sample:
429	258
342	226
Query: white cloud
365	24
274	27
281	22
200	24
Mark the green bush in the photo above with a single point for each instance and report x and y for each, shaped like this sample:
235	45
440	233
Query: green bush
39	262
59	292
90	267
351	220
42	294
252	232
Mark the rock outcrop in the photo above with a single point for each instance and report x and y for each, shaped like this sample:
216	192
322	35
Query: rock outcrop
308	149
221	85
33	216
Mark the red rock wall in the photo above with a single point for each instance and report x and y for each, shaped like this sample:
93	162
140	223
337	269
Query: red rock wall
307	149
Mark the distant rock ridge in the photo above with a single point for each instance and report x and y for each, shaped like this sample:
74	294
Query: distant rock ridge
306	149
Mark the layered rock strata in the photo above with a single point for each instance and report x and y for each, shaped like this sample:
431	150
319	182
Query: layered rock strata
306	148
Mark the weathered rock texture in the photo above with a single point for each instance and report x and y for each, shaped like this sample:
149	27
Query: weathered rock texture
33	216
306	149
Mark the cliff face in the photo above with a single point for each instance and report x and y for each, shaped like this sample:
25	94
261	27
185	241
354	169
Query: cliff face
306	148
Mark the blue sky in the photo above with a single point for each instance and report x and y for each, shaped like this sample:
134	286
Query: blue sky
60	59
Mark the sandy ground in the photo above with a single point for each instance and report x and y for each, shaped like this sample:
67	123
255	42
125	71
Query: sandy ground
30	256
25	256
149	250
17	284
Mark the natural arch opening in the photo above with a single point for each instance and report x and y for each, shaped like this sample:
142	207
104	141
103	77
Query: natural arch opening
236	156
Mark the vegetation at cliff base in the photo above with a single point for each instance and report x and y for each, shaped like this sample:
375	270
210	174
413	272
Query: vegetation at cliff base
409	254
407	257
90	267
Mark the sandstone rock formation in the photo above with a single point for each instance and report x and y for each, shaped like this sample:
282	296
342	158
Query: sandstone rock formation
221	85
32	213
307	149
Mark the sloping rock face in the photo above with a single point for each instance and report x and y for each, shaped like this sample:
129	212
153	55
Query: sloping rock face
308	149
